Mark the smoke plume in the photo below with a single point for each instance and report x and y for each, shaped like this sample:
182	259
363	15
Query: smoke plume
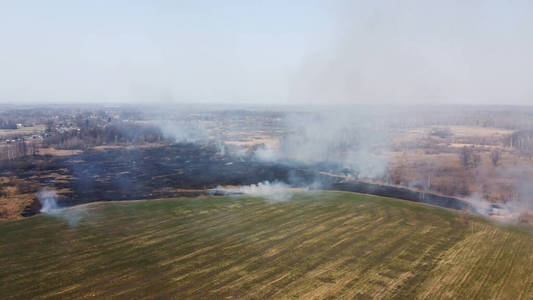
273	192
344	139
50	207
48	200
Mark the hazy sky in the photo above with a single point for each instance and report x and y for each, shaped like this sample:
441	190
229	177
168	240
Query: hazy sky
283	52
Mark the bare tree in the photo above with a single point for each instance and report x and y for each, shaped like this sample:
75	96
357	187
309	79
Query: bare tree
469	159
466	157
476	160
495	157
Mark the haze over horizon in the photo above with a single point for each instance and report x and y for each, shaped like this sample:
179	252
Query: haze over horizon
263	52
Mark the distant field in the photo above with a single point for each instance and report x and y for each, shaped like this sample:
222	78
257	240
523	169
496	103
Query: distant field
320	244
22	131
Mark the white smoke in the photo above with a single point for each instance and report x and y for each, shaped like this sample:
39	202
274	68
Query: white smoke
48	200
349	138
502	212
184	131
194	132
274	192
49	206
267	153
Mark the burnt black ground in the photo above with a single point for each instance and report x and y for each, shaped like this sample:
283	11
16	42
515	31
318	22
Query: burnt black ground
131	173
146	173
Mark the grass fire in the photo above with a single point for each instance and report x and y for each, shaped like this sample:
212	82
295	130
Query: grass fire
266	150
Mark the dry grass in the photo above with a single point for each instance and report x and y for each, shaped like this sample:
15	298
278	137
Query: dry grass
141	146
469	131
434	163
18	193
58	152
12	199
12	206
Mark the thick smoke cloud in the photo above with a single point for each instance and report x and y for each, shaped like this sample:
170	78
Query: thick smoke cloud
352	139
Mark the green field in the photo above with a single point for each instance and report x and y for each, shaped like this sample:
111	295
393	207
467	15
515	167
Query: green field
319	245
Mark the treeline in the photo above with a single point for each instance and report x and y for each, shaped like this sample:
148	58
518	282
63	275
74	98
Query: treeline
20	148
513	118
8	124
110	134
10	119
521	140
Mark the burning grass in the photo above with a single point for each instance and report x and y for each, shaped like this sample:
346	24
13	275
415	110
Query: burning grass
319	244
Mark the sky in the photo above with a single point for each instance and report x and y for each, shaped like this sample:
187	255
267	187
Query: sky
267	52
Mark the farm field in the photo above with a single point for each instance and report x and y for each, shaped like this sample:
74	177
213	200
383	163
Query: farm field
318	245
22	131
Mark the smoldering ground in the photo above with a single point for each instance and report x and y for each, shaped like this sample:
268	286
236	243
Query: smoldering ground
353	142
212	148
